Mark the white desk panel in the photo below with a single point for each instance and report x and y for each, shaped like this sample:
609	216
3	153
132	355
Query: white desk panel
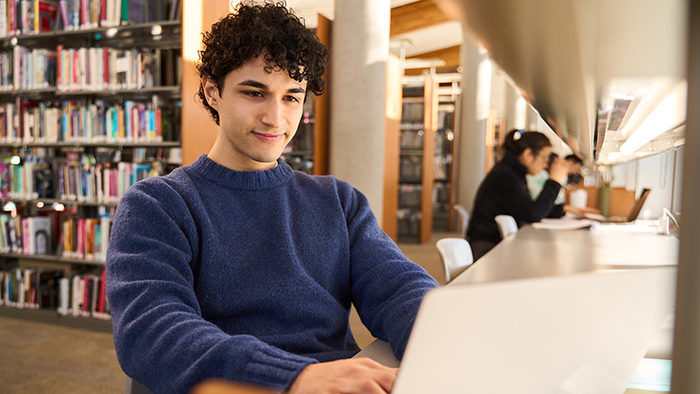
532	253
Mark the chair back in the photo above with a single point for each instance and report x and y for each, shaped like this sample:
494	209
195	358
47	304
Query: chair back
456	256
134	387
464	215
506	225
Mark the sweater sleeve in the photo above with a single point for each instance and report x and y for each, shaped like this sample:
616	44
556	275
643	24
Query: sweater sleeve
509	193
387	288
160	337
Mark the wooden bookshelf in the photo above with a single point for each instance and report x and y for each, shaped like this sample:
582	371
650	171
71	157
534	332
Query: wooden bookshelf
161	41
417	155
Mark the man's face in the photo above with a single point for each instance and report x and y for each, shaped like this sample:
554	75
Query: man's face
258	115
575	169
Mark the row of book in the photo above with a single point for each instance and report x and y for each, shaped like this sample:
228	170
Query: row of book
88	69
87	121
85	238
106	183
84	296
80	238
81	295
103	68
25	68
25	235
21	17
79	177
30	288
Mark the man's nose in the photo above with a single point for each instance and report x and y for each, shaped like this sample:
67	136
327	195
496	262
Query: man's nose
273	114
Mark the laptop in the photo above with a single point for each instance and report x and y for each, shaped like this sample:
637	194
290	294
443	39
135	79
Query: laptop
634	213
573	334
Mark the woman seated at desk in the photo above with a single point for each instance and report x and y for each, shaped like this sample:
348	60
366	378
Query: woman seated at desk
504	191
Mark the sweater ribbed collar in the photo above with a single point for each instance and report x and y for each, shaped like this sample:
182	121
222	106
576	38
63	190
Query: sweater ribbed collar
240	180
511	161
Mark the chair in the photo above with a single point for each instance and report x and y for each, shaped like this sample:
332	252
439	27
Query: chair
456	256
134	387
465	218
506	225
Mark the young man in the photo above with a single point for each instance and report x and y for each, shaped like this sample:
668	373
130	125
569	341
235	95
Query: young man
238	267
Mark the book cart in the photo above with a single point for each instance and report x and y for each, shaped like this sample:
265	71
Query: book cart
89	104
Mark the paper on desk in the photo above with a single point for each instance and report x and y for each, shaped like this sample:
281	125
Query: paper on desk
564	224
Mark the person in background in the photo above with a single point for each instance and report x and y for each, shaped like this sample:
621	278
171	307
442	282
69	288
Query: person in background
504	190
574	177
535	183
236	267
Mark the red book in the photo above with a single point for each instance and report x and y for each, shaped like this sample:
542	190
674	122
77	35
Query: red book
59	78
103	13
12	13
105	68
75	70
159	125
101	301
81	239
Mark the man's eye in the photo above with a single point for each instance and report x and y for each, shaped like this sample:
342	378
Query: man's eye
253	94
292	99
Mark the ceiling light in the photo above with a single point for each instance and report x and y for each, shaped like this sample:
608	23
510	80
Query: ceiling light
669	114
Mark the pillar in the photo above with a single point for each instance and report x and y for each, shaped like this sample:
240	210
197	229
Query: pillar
471	142
686	341
360	48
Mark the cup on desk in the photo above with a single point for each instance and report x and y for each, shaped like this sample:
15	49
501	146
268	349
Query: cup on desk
578	198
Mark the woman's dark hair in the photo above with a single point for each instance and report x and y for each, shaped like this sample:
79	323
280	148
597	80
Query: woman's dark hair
518	140
574	159
251	29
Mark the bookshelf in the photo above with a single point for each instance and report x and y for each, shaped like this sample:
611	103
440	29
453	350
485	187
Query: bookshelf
90	103
308	150
416	172
444	137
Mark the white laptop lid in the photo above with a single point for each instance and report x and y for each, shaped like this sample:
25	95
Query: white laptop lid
576	334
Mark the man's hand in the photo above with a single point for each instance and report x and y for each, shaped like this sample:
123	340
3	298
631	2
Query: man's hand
353	376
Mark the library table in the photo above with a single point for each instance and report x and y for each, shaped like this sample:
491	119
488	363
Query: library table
533	253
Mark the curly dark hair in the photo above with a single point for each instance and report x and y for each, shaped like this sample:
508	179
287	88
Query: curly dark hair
251	29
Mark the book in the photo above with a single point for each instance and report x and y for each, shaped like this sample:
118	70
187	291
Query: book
80	239
3	19
174	10
46	16
64	300
91	225
77	295
47	288
40	228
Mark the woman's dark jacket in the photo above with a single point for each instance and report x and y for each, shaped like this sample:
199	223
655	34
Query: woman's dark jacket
504	192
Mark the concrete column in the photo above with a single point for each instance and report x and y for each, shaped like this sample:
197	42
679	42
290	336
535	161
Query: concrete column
686	341
471	142
515	116
359	52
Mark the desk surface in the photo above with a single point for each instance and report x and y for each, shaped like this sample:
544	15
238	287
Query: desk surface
532	253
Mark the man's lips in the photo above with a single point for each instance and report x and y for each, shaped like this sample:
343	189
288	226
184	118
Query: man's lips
268	137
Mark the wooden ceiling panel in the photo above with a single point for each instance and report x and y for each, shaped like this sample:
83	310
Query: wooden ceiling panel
415	16
449	55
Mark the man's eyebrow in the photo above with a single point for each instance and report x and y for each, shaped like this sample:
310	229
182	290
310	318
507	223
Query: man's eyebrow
259	85
254	84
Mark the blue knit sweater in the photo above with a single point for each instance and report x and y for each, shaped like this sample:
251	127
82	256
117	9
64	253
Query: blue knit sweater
249	276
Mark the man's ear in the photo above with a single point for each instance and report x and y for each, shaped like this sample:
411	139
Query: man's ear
211	92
